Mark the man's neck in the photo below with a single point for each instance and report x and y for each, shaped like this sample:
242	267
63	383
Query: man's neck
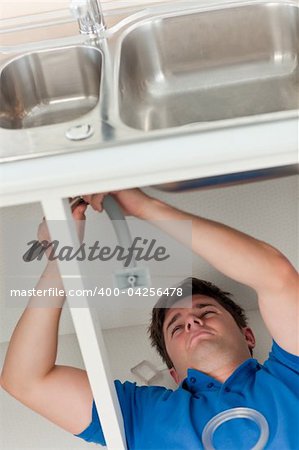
221	371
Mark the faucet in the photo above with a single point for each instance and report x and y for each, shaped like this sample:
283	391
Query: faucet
90	16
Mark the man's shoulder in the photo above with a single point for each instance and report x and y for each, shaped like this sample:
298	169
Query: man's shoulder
132	386
280	357
282	366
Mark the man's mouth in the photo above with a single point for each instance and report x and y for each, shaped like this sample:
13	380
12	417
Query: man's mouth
198	335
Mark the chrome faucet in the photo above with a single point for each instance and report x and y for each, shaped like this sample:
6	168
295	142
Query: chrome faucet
90	16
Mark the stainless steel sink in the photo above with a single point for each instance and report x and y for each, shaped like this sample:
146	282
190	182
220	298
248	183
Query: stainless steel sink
210	65
49	87
167	71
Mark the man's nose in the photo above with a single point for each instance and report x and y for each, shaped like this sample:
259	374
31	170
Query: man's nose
193	322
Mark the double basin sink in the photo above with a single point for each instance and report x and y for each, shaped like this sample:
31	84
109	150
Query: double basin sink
159	73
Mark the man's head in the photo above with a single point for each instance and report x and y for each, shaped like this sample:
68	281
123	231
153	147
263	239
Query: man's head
214	329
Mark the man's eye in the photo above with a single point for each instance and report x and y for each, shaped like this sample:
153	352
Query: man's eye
207	313
178	327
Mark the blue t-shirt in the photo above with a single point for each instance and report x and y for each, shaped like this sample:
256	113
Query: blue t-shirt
157	418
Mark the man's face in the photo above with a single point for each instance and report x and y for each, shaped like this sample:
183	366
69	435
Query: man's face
203	337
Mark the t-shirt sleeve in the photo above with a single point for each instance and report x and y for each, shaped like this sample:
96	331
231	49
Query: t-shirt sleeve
284	366
287	359
126	394
94	432
132	399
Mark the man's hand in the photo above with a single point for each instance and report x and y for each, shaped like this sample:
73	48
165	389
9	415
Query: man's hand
78	213
132	201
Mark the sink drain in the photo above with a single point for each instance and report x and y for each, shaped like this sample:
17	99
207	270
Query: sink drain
79	132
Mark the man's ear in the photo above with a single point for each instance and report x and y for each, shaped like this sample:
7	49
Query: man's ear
249	336
174	375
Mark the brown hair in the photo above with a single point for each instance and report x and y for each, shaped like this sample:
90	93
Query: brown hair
190	286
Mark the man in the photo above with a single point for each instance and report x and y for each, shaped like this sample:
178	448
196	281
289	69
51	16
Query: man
207	349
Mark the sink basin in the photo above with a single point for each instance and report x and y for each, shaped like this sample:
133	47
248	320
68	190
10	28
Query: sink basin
212	65
178	70
49	87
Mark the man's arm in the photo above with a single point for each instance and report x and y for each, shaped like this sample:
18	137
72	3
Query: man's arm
255	264
61	394
238	256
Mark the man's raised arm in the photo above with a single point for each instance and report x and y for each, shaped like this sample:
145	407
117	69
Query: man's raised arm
238	256
30	373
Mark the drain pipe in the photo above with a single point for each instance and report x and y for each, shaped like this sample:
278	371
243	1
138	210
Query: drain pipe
119	223
131	276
